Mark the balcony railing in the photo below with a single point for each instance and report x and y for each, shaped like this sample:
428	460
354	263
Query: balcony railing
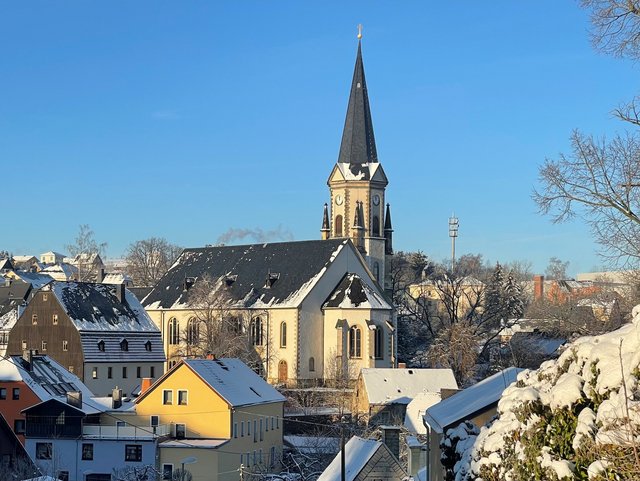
125	432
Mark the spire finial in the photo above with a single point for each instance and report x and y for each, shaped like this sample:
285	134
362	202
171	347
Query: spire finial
359	31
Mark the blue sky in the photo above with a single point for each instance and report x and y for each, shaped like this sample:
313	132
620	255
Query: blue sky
186	119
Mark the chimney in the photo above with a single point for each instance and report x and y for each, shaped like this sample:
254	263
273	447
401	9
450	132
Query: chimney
146	384
119	292
74	398
116	398
210	357
391	439
538	287
101	275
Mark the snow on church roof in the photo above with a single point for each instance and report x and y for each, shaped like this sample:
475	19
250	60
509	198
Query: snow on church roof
470	400
257	275
400	386
352	293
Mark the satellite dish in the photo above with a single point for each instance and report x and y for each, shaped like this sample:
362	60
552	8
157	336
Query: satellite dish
189	460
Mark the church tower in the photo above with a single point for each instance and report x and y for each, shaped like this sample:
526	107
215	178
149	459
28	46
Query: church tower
357	184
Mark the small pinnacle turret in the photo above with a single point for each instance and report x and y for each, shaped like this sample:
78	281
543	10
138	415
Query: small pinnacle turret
388	232
325	231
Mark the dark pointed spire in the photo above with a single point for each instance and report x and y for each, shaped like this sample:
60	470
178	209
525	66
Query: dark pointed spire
358	143
388	232
325	231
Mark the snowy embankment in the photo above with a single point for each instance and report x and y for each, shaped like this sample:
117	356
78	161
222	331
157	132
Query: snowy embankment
577	417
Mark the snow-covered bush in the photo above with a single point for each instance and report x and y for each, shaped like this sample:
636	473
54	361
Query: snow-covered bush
454	449
575	418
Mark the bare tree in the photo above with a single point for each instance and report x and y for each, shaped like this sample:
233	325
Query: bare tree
147	260
84	252
218	327
557	269
135	473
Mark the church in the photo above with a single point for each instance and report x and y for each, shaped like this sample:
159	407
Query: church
308	311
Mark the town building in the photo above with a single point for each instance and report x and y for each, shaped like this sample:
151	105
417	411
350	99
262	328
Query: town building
222	414
99	332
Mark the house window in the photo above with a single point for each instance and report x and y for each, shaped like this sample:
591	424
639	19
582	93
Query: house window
147	346
355	342
312	364
138	372
154	420
255	431
261	431
167	472
378	343
283	334
152	371
174	331
242	429
181	431
87	452
272	457
167	396
45	297
248	428
44	450
256	331
55	319
44	345
94	373
3	393
133	452
182	398
248	459
24	345
235	430
124	345
18	426
124	372
193	331
71	369
338	226
101	346
65	345
16	393
110	372
34	319
63	475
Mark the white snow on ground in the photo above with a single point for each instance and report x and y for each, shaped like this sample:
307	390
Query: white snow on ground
596	377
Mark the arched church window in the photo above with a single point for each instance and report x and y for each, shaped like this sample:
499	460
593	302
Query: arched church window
283	334
256	331
378	343
355	342
193	331
174	331
338	226
312	364
375	230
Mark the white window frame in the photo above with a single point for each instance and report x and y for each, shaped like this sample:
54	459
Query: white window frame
164	398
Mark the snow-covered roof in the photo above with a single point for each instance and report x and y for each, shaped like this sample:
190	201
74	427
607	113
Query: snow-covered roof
313	444
66	271
470	400
199	443
353	293
96	307
386	385
21	259
357	453
364	171
36	279
116	278
416	409
104	346
47	379
258	275
234	381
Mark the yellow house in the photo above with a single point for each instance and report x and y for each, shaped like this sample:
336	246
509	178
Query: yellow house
223	417
464	294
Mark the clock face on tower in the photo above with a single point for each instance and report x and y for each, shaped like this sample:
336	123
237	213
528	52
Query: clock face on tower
376	199
339	199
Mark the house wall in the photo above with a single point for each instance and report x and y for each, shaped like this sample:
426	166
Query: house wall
11	408
107	453
45	306
382	466
206	467
103	385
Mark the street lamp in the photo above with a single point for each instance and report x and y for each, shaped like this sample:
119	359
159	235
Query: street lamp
189	460
453	233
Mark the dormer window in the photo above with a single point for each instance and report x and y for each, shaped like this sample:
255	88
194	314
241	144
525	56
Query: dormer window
189	282
124	345
101	346
147	346
34	319
230	279
272	277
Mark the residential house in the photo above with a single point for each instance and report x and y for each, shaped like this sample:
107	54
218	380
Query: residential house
5	265
99	332
89	265
282	295
14	294
29	380
382	395
465	293
52	257
222	414
477	404
365	460
27	263
14	460
61	272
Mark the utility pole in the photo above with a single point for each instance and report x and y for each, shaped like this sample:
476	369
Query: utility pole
343	475
453	233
